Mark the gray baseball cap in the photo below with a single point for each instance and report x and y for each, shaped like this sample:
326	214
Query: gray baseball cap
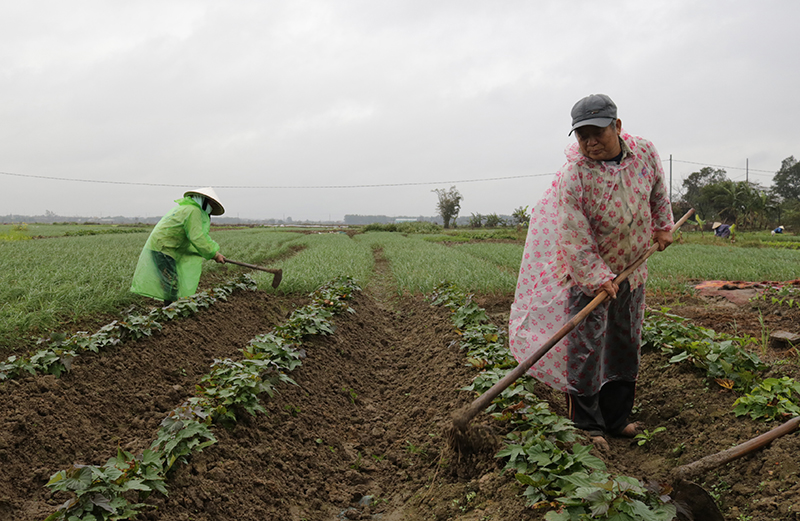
594	109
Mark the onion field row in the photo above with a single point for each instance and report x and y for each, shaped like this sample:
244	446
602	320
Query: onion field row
48	284
419	265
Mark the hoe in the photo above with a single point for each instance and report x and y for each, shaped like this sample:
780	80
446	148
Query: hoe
277	272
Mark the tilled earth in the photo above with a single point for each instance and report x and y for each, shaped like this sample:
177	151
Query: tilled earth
363	434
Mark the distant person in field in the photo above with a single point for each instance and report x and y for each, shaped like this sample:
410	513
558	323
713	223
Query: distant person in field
779	229
721	230
606	206
171	261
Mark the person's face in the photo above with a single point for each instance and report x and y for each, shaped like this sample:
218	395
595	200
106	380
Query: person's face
600	143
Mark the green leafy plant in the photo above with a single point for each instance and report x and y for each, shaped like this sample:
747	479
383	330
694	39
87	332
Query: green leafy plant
101	492
718	488
771	399
186	429
728	363
719	356
468	314
417	449
237	384
310	320
647	436
351	394
699	223
279	351
292	410
620	499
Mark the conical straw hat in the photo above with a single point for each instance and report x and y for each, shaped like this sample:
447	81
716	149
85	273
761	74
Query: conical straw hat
216	206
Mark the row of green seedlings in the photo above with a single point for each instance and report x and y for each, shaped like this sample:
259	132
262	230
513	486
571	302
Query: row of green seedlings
789	245
785	296
543	449
107	492
106	231
726	360
57	357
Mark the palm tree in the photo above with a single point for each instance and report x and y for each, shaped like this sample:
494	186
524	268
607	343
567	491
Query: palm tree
731	198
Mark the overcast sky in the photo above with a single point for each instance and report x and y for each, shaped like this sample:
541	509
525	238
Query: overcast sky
269	102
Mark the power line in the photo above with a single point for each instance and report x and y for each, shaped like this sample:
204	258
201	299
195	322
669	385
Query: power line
277	187
720	166
378	185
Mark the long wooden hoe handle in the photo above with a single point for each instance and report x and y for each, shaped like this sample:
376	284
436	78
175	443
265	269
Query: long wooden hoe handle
277	272
253	266
720	458
466	415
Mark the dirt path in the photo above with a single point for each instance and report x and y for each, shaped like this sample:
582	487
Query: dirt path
360	437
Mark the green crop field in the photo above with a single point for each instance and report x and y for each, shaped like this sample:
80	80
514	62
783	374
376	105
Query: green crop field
418	265
682	263
46	284
320	258
26	231
507	255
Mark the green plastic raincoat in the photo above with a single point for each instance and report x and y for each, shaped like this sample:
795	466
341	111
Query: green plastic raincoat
172	258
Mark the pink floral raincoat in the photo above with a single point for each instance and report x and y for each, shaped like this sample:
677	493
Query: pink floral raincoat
595	220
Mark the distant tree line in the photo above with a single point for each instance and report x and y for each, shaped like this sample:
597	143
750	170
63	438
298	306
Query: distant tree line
746	204
449	206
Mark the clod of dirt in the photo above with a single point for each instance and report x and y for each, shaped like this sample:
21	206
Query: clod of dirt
476	439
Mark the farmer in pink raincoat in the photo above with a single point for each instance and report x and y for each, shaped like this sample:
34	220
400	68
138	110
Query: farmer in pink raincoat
607	204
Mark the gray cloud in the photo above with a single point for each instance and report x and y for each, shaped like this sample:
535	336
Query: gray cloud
313	93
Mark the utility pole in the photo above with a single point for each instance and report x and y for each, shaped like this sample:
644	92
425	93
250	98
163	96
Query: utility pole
670	178
747	170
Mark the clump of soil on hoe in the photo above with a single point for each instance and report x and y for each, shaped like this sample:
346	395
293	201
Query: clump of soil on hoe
362	435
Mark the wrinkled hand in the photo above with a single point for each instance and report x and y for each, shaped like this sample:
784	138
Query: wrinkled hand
219	258
609	287
663	238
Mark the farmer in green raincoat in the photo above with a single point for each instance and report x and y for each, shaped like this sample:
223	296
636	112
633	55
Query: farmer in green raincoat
171	261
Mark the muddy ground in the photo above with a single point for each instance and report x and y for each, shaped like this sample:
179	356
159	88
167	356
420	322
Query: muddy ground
362	434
